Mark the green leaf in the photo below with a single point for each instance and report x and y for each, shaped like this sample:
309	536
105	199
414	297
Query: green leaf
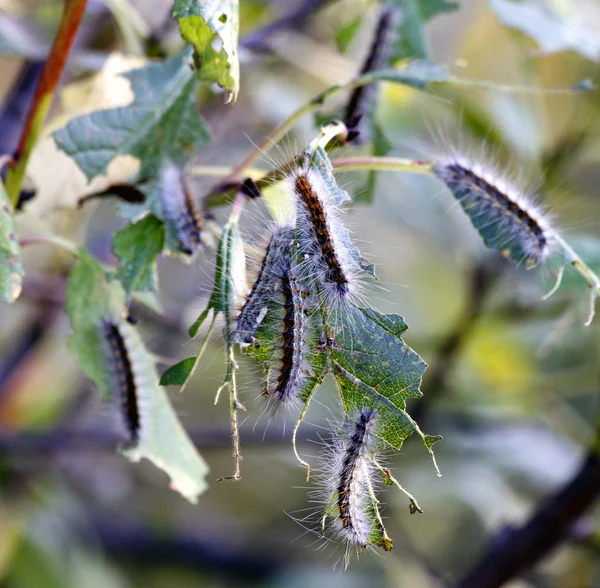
177	374
11	267
416	73
162	440
137	246
211	27
411	41
90	299
161	122
373	367
552	29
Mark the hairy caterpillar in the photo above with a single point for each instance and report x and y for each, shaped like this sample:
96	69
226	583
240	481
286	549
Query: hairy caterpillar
274	265
286	383
123	379
353	474
330	263
179	208
362	100
505	217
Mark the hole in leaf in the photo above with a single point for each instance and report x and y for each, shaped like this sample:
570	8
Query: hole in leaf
217	44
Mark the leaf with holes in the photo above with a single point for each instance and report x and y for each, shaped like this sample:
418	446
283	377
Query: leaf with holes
373	367
211	27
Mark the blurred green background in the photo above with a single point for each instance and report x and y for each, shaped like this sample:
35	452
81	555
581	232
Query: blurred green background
513	380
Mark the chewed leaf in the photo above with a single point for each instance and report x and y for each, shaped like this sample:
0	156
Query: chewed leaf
92	300
375	368
11	267
368	345
268	348
411	40
162	439
211	27
395	424
137	245
161	122
91	296
553	30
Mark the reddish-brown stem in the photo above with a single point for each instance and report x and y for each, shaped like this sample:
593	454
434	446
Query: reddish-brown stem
71	18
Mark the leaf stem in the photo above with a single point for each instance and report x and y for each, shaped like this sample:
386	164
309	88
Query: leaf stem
294	436
52	239
201	352
234	406
373	163
386	540
389	75
387	475
69	24
572	258
223	193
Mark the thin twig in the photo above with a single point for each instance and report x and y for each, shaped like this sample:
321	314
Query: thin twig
71	18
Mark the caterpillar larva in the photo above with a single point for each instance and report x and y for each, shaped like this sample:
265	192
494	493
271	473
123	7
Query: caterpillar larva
505	216
179	208
330	263
353	476
286	382
274	265
123	380
362	100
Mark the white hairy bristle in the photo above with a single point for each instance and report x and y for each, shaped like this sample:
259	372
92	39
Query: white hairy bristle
123	378
179	208
274	266
327	260
505	213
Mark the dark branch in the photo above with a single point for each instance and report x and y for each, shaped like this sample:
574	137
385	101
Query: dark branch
258	40
516	550
40	444
128	541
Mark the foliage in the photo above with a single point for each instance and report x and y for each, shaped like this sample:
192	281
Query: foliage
360	348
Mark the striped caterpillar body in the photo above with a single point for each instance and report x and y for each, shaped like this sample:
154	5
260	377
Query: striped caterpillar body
330	262
353	479
504	217
274	266
285	384
362	100
123	380
179	208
